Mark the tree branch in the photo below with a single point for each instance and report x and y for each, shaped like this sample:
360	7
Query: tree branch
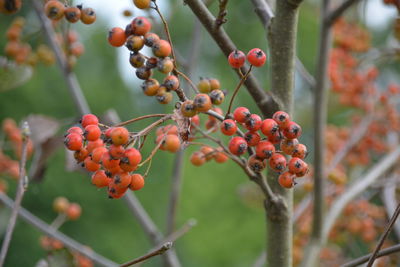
388	196
157	252
48	230
364	259
338	11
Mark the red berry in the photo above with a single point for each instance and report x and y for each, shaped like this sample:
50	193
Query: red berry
265	149
292	130
220	157
141	26
116	37
171	82
81	154
122	180
92	145
162	49
286	180
100	179
90	165
73	141
228	127
236	59
269	127
253	122
137	182
202	102
277	162
197	158
108	162
256	57
75	129
276	138
241	114
89	119
54	9
92	132
116	152
73	211
281	117
237	145
133	156
98	153
119	136
300	151
298	167
256	164
252	138
288	145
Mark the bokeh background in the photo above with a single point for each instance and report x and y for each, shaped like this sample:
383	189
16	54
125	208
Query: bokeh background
230	226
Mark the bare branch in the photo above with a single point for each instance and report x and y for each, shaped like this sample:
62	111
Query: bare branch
157	252
388	197
384	236
302	70
264	12
222	13
48	230
364	259
21	188
139	118
338	11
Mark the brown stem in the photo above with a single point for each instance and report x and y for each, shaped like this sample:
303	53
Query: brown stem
146	130
153	152
337	12
157	252
237	89
364	259
222	13
138	119
21	188
188	81
385	234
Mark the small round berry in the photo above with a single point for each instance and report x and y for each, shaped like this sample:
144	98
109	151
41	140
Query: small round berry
277	162
228	127
202	102
236	59
122	180
116	151
60	204
256	57
281	117
116	37
88	16
81	155
143	73
100	179
265	149
165	65
75	129
298	167
73	141
288	145
220	157
217	96
150	39
252	138
119	136
72	14
128	30
253	122
214	83
188	109
141	26
142	4
275	138
256	164
208	152
74	211
54	9
269	127
115	192
134	43
241	114
171	82
137	182
92	132
90	165
162	48
197	158
237	145
89	119
137	60
286	180
150	87
92	145
171	143
132	156
151	62
300	151
292	130
204	86
98	153
164	97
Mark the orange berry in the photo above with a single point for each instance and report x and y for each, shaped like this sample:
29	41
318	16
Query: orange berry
137	182
286	180
74	211
119	136
88	16
100	179
116	37
54	9
162	48
197	158
142	4
60	204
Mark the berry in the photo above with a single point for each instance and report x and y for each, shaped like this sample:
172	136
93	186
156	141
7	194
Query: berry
88	16
265	149
60	204
89	119
73	141
171	82
281	117
90	165
54	9
98	153
208	152
116	37
151	62
269	127
214	83
119	136
122	180
143	73
276	138
253	122
300	151
132	156
100	179
228	127
288	146
74	211
241	114
75	129
142	4
236	59
137	182
204	86
256	164
164	97
217	96
137	60
134	43
151	38
171	143
141	26
237	145
108	162
116	152
165	65
252	138
92	145
188	109
92	132
197	158
202	102
286	180
72	14
81	154
277	162
220	157
162	48
298	167
150	87
256	57
292	130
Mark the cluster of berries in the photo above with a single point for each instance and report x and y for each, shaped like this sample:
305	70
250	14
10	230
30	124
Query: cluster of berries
72	211
9	166
256	57
10	6
137	35
207	153
56	10
106	153
168	136
279	130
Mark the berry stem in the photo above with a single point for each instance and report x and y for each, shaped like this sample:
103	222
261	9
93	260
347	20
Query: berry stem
188	80
58	221
138	119
157	252
146	130
237	89
153	152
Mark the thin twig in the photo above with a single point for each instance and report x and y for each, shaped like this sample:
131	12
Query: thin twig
388	196
21	188
385	234
153	152
188	81
157	252
338	11
181	231
146	130
138	119
237	90
364	259
48	230
222	13
264	12
58	221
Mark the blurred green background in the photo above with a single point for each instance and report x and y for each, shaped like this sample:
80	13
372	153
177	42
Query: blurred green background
231	223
